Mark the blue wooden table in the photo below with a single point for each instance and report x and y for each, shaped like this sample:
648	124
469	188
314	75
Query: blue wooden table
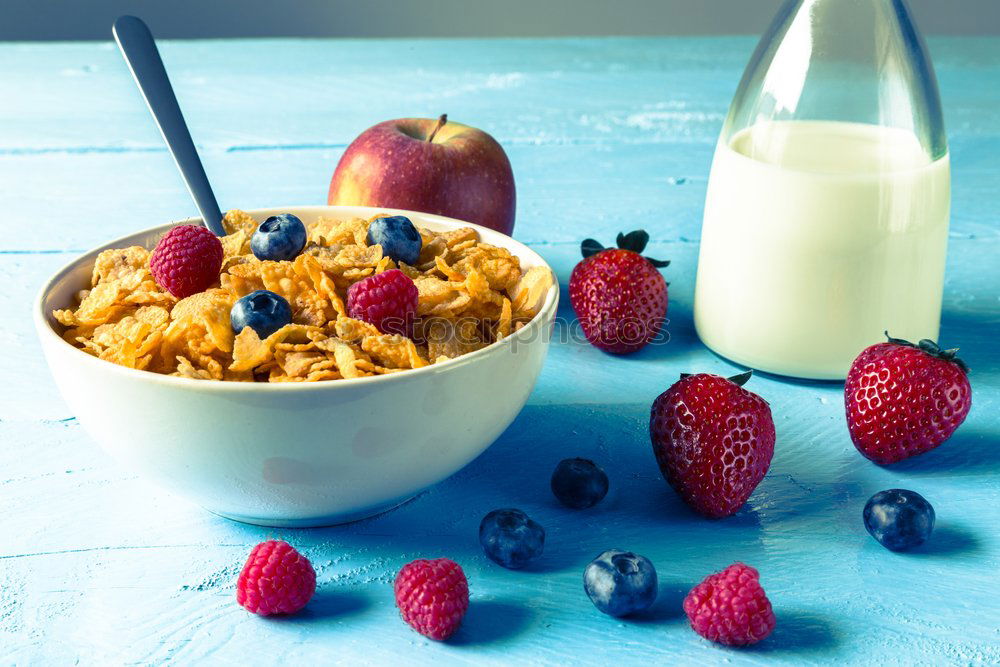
96	566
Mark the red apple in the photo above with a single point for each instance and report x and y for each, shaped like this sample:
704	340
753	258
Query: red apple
429	165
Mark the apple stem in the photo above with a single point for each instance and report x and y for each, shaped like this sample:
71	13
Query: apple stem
442	120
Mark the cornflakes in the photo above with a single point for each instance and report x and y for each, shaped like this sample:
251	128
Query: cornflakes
470	294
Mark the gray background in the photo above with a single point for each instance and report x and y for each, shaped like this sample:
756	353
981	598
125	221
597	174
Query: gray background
91	19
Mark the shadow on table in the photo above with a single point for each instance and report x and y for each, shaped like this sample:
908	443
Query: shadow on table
948	540
668	607
679	325
489	621
641	512
656	502
974	450
329	604
797	631
558	556
970	331
515	472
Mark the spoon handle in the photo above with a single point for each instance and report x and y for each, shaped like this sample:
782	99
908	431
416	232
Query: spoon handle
139	49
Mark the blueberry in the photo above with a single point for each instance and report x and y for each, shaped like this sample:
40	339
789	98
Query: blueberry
280	237
510	538
899	519
263	311
579	483
397	236
620	583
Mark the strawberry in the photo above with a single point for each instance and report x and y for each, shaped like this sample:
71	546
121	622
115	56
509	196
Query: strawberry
713	440
618	295
904	399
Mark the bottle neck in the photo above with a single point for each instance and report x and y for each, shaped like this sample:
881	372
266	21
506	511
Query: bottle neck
858	61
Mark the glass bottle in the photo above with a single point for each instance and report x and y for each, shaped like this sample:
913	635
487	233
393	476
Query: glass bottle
826	218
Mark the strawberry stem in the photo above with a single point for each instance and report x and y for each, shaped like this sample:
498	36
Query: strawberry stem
928	346
741	379
634	241
590	247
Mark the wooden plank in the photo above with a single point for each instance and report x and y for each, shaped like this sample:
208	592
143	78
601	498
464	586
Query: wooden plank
322	93
565	192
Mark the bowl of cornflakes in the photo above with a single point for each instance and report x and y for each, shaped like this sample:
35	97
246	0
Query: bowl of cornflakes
327	419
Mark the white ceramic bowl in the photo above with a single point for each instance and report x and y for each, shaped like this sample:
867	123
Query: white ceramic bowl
298	454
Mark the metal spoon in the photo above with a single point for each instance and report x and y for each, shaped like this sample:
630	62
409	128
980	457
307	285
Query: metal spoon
139	50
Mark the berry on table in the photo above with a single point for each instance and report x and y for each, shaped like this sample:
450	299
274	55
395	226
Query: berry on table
713	441
904	399
186	260
432	596
510	538
397	236
620	583
579	483
899	519
276	579
263	311
388	300
279	238
730	607
618	295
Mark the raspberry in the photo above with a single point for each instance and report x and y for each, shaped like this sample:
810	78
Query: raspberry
730	607
276	579
187	260
432	596
387	300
